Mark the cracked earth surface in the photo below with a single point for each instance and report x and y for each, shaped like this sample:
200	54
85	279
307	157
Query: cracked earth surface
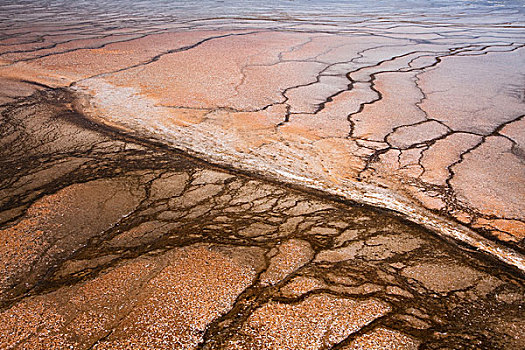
112	242
102	214
422	118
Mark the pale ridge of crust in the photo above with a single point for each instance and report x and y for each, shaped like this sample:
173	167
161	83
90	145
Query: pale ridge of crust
94	104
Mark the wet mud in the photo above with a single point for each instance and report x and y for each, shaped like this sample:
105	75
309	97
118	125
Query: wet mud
114	242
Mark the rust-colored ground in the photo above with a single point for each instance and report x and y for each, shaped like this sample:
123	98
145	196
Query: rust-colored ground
112	238
430	130
115	243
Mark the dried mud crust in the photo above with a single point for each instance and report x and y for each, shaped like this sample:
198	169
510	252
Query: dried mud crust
380	122
111	242
424	116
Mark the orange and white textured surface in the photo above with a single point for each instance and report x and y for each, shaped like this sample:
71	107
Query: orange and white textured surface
417	110
421	129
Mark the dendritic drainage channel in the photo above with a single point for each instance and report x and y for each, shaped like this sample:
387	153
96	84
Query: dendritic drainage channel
111	242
